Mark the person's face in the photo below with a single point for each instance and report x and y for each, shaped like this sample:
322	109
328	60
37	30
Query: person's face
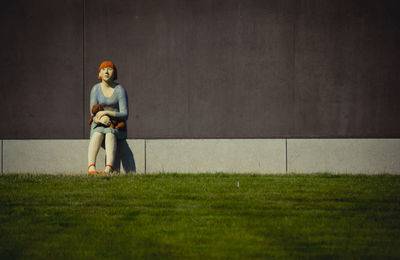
106	74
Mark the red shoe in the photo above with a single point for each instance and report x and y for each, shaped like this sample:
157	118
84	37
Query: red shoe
91	172
112	170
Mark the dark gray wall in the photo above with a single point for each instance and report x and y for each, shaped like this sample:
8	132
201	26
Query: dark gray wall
42	71
205	69
347	62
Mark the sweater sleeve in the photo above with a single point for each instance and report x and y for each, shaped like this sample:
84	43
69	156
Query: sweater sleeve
93	98
123	112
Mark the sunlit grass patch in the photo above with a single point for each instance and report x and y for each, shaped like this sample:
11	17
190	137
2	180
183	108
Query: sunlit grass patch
201	216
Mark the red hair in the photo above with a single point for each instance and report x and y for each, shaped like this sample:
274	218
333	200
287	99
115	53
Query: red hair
108	64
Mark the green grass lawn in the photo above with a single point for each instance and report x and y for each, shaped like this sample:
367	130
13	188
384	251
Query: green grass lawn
200	216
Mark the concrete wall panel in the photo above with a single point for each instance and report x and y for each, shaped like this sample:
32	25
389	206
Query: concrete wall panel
46	156
62	156
343	155
41	54
197	68
211	155
346	69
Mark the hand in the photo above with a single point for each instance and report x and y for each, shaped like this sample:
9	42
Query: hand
100	114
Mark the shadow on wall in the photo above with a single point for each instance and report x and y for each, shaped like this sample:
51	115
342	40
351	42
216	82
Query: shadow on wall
124	159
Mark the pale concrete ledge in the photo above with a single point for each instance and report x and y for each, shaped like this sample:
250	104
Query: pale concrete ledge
216	155
65	156
365	156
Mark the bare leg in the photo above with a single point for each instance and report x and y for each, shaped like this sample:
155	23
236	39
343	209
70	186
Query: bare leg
94	146
111	149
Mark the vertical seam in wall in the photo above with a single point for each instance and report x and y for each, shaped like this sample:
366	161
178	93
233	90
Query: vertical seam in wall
294	17
83	70
2	155
286	158
145	156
